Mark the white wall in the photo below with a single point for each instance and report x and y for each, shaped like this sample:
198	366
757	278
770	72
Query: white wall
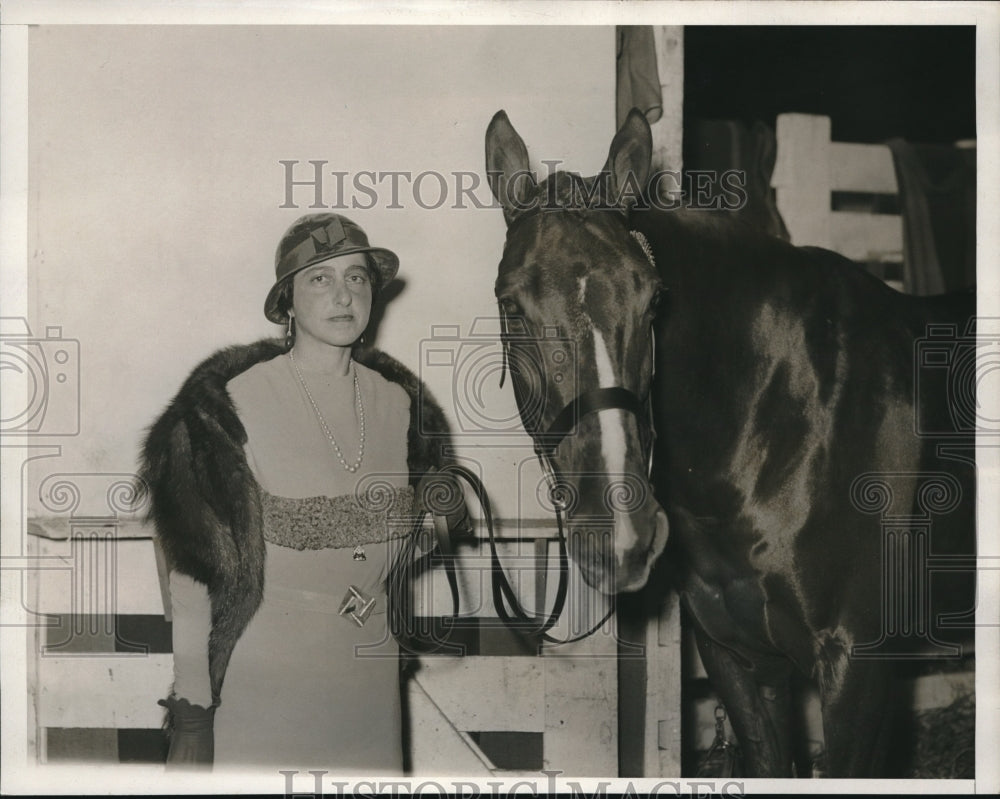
155	190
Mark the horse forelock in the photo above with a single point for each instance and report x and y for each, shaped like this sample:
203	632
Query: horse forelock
572	192
565	240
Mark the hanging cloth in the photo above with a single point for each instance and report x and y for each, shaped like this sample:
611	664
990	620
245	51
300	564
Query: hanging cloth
937	196
638	78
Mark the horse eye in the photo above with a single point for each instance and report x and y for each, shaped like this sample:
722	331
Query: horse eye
656	302
508	306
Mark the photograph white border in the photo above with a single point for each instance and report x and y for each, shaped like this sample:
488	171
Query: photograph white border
17	15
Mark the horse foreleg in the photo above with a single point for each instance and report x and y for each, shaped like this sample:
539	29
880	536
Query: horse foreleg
759	712
857	719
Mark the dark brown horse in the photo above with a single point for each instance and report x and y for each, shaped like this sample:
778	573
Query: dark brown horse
811	468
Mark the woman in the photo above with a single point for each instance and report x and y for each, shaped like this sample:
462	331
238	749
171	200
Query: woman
280	476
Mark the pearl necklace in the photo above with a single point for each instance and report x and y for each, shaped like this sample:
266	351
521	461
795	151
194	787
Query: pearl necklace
326	429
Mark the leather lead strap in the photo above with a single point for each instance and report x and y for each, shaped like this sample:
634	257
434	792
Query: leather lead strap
505	599
447	554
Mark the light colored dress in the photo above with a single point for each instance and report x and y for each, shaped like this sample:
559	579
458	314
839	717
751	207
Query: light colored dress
307	686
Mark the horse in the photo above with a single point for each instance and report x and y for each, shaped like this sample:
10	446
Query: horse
800	448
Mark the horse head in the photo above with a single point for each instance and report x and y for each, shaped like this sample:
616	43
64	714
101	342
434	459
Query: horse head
577	292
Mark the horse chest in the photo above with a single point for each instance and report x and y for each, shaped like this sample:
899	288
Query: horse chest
729	598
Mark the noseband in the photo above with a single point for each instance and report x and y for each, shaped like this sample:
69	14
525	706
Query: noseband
588	402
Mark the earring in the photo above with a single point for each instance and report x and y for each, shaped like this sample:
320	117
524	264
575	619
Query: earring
290	332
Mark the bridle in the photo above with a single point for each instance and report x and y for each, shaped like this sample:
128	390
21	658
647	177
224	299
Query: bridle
545	443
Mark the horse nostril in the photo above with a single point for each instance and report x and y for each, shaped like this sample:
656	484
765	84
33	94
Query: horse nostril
637	562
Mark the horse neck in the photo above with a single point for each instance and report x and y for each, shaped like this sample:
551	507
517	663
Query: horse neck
702	254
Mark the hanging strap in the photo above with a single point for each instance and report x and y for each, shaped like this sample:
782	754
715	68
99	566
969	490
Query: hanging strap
505	600
508	608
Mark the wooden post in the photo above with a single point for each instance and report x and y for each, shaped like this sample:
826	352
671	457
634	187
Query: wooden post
662	728
668	130
802	178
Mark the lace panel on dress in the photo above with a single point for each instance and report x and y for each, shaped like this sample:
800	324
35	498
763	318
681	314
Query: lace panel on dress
348	520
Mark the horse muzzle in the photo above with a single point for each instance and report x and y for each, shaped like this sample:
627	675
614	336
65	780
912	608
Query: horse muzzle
616	554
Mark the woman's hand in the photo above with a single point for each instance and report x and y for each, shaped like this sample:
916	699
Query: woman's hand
192	741
440	494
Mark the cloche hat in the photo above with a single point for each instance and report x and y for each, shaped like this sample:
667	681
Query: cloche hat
318	237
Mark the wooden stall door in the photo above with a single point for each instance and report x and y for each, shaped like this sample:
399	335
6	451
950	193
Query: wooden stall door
810	168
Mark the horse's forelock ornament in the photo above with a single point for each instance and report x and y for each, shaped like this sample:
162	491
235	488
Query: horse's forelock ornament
644	243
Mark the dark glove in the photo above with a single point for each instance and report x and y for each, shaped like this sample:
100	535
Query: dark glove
192	740
440	494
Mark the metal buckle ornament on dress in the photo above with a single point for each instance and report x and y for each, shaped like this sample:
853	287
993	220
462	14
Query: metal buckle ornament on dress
357	604
359	553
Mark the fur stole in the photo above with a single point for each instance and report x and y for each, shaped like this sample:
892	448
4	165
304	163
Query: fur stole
205	502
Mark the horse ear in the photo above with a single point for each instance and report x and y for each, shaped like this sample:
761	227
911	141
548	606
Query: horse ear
629	160
507	168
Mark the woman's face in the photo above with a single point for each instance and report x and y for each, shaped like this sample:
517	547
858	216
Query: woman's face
332	300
